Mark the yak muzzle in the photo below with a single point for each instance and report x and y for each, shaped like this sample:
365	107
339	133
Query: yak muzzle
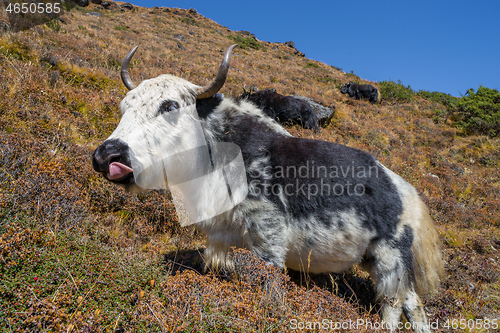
112	159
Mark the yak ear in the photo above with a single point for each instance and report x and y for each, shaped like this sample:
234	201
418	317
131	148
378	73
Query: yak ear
206	106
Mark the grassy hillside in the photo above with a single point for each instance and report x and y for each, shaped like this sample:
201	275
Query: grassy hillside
79	254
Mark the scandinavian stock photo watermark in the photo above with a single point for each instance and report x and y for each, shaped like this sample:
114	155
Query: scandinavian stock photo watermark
353	325
323	180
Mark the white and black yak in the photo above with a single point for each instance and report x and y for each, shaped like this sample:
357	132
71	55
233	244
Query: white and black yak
362	91
284	109
304	204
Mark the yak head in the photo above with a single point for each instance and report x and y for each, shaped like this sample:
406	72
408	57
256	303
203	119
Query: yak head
159	118
345	88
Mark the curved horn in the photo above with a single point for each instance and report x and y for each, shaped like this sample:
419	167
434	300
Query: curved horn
214	87
124	72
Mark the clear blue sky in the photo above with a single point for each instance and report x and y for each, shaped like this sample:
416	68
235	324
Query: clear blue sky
446	46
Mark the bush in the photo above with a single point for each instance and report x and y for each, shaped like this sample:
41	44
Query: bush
353	77
439	97
247	42
479	112
396	91
311	65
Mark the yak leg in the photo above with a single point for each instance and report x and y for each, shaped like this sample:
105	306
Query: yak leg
387	264
265	236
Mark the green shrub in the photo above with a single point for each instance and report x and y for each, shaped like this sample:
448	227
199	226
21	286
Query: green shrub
439	97
479	112
247	42
54	24
327	79
311	65
114	64
188	21
396	91
353	77
15	50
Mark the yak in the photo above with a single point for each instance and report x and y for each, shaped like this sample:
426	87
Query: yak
284	109
362	91
299	203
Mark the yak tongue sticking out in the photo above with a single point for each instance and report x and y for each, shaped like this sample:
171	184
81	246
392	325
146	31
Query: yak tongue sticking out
118	170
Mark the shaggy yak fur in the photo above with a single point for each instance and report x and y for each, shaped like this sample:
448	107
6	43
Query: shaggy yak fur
284	109
362	91
310	205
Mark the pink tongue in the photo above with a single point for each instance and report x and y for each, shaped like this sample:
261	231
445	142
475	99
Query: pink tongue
118	170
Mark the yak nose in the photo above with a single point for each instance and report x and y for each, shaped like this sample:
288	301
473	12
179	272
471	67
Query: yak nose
110	151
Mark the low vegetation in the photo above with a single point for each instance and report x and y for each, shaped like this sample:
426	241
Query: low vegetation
78	254
475	112
479	111
247	42
396	91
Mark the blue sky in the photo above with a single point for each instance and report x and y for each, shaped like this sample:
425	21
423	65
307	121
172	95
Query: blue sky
446	46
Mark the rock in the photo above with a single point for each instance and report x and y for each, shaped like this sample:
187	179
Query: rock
299	54
181	47
323	113
296	52
82	3
180	37
97	2
95	14
127	5
192	11
247	33
109	5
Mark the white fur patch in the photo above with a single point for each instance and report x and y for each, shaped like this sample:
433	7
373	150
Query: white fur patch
333	249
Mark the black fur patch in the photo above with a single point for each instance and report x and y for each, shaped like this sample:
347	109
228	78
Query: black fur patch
286	110
367	190
206	106
404	244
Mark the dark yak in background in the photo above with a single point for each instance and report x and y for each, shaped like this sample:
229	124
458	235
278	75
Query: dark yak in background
361	91
283	109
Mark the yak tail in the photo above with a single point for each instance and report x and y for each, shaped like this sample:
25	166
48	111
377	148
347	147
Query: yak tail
428	266
379	97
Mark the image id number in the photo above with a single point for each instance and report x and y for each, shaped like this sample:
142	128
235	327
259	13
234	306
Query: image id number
33	8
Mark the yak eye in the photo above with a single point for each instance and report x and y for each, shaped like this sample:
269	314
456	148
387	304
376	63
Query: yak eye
167	106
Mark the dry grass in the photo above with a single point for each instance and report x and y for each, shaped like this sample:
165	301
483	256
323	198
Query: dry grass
109	259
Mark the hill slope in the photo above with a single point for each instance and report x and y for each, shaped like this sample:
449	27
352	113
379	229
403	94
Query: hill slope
78	253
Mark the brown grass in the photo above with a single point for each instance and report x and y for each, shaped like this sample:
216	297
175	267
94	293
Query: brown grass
54	113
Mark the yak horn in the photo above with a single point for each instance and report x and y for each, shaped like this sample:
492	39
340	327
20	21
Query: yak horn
216	85
124	72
